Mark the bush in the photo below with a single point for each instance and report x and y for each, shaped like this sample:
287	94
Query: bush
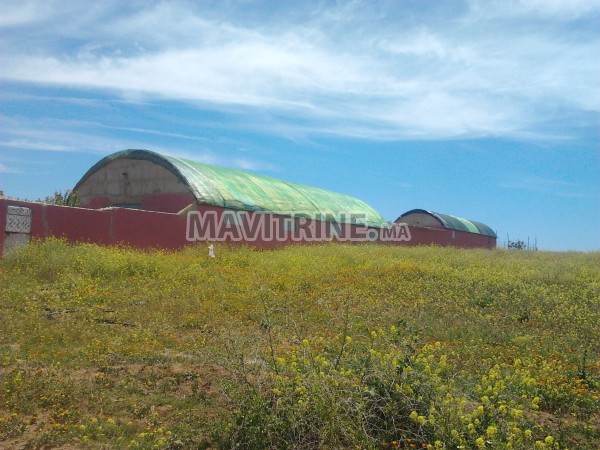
382	394
68	198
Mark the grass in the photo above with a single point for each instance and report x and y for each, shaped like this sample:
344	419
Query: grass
307	347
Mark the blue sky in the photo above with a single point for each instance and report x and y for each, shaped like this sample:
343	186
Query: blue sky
484	109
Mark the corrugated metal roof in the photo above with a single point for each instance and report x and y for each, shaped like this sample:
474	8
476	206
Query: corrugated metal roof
240	190
455	223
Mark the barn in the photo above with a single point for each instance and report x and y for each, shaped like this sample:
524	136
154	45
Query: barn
461	232
141	179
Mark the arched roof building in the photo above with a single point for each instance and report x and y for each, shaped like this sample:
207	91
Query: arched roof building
425	218
147	180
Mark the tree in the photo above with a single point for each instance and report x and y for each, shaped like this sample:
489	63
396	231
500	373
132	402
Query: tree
517	245
68	198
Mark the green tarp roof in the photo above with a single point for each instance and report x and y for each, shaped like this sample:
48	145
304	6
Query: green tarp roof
240	190
455	223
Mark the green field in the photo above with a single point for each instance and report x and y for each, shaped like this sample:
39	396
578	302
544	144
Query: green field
303	348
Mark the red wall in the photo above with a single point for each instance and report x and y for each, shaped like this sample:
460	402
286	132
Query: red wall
76	224
2	225
167	202
445	237
149	229
136	228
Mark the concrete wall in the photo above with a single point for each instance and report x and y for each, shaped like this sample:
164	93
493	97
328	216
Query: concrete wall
135	183
422	220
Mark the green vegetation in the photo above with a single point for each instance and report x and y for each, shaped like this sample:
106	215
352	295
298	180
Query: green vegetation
302	348
68	198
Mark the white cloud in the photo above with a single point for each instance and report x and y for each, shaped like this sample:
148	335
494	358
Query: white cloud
33	144
20	12
490	69
549	186
21	133
558	10
248	164
5	169
208	156
86	137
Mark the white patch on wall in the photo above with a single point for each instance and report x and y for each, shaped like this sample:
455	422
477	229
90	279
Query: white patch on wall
18	219
18	227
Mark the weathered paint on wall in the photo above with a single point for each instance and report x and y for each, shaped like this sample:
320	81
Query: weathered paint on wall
422	220
17	230
132	182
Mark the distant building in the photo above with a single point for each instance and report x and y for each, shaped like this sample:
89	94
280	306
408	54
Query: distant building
464	232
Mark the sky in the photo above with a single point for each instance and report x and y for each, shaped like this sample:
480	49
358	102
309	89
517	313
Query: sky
486	109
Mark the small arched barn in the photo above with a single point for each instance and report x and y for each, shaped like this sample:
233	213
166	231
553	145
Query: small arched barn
458	231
